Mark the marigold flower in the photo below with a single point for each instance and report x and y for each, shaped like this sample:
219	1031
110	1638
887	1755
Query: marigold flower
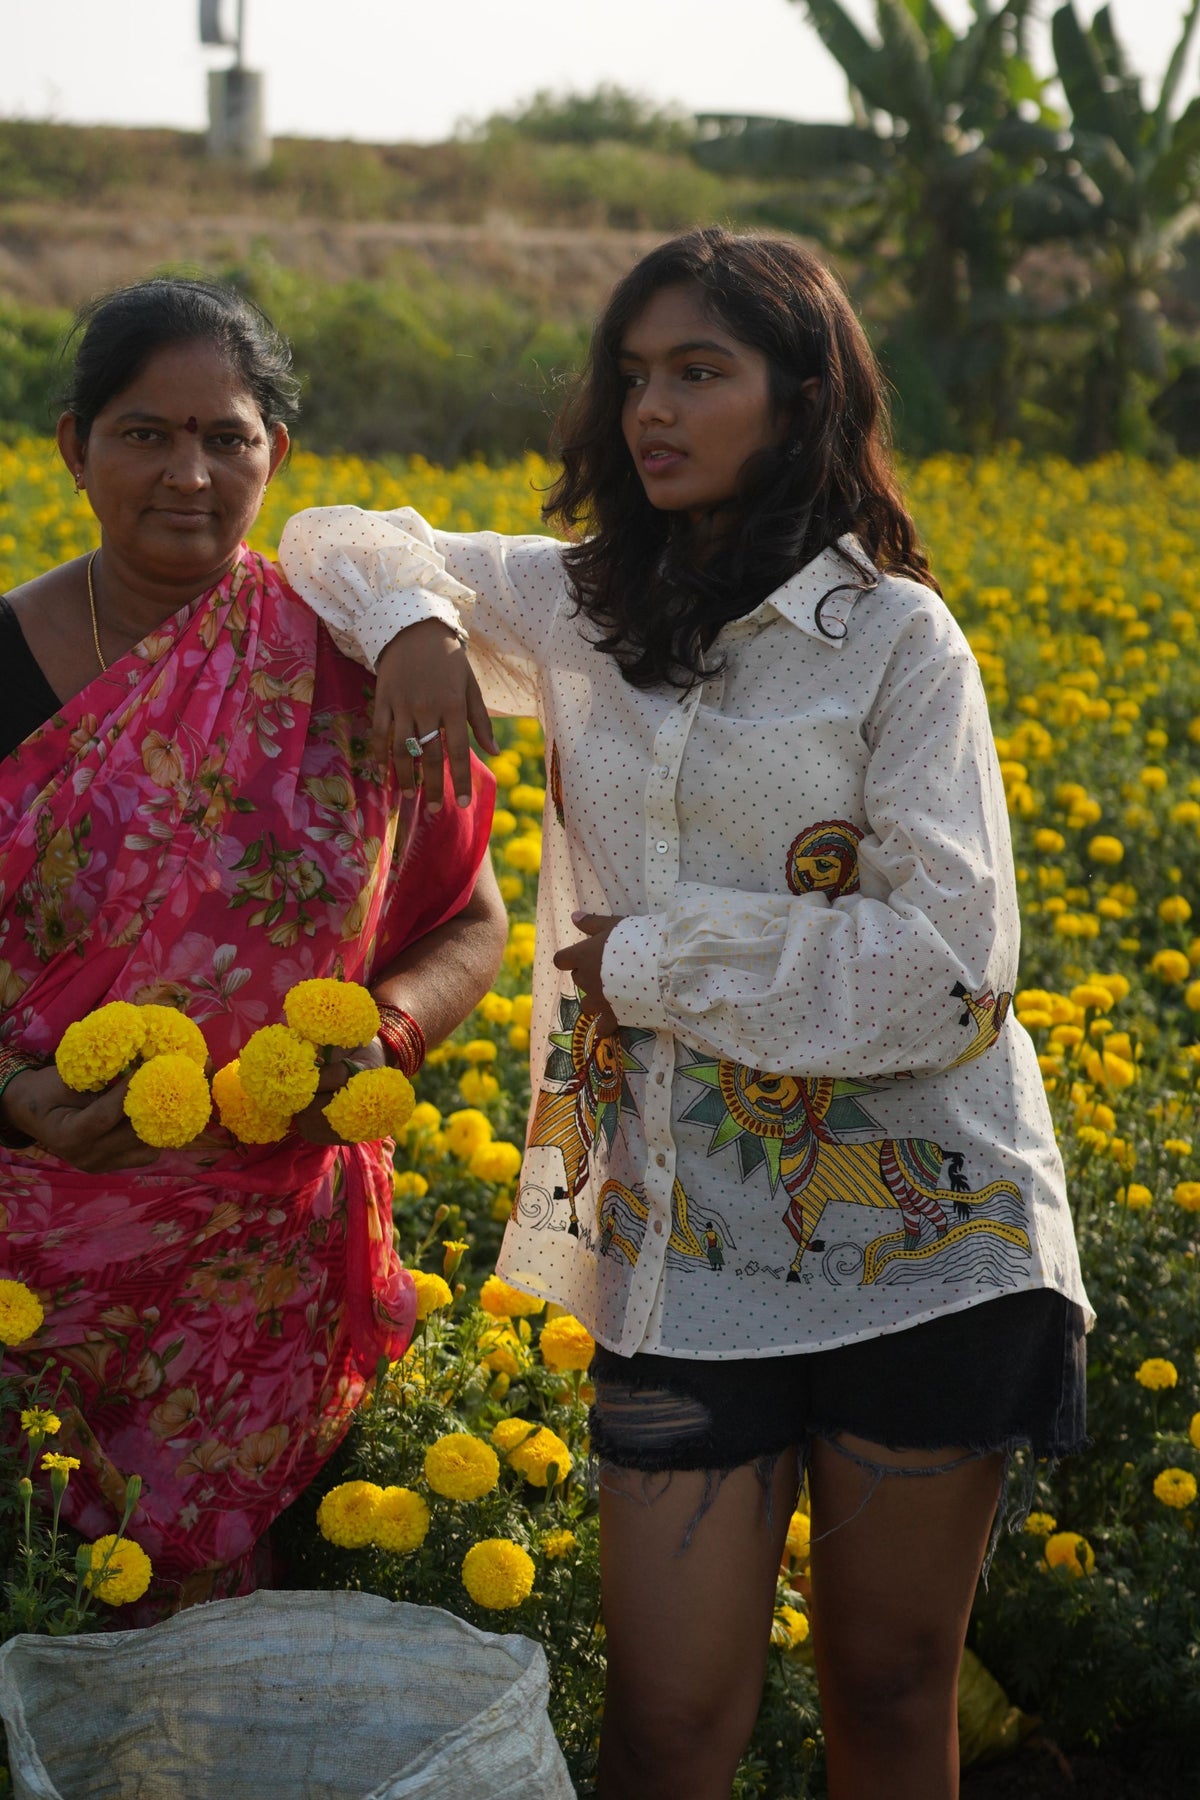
53	1463
128	1573
279	1069
1135	1196
339	1013
478	1087
522	1011
565	1344
461	1467
504	823
524	853
347	1514
497	1009
432	1293
374	1104
21	1312
499	1162
1194	1431
526	798
1092	996
502	1351
40	1419
1191	997
789	1627
508	1433
799	1537
1170	966
505	1302
424	1119
401	1520
408	1185
1107	1069
557	1544
465	1131
1067	1550
1174	910
479	1050
1156	1373
1180	1147
498	1574
535	1456
1105	849
1187	1195
168	1101
169	1032
1175	1487
1048	842
249	1122
1040	1524
98	1048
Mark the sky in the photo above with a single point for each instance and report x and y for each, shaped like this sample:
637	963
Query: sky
407	71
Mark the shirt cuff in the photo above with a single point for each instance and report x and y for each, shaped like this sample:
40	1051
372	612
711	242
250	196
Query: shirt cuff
631	972
386	614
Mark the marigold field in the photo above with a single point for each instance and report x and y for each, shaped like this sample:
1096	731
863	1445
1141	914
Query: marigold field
1080	593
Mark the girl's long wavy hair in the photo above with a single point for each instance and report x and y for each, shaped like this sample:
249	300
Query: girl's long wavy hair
636	577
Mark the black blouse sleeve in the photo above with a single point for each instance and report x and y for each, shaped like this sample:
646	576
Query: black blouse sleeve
26	698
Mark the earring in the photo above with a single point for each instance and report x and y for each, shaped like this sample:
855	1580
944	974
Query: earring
80	484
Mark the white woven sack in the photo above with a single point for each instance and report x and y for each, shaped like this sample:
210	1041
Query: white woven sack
283	1697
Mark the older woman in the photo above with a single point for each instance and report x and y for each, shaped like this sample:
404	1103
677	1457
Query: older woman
189	813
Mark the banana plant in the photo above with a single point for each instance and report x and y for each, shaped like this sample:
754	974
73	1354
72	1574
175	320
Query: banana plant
946	127
1132	189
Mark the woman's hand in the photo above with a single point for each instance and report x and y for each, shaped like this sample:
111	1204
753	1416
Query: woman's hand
583	960
312	1123
88	1131
424	682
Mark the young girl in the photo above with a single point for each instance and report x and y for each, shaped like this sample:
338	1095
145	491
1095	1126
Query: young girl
789	1156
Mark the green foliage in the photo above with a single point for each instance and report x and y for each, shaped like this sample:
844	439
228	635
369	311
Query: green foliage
30	363
609	113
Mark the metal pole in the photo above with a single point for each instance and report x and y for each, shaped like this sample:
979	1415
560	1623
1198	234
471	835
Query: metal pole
241	33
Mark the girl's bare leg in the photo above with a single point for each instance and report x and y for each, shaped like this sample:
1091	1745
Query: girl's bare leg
687	1629
892	1587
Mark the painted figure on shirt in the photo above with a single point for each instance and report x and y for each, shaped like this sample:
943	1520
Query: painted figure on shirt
824	859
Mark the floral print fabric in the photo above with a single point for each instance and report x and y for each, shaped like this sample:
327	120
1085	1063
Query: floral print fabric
203	826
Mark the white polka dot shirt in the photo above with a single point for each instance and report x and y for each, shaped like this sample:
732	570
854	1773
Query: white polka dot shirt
821	1121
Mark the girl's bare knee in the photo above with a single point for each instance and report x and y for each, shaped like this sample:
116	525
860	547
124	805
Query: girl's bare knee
896	1689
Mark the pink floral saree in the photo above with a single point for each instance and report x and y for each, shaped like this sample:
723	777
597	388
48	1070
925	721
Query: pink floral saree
203	825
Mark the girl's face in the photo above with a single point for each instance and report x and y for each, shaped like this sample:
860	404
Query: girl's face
697	404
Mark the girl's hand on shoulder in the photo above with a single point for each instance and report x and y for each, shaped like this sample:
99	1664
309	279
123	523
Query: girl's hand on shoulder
584	960
424	684
90	1132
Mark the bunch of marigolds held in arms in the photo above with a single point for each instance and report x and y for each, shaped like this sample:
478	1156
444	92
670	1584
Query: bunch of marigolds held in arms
52	1587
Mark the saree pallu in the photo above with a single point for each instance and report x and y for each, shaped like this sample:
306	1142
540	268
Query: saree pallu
204	826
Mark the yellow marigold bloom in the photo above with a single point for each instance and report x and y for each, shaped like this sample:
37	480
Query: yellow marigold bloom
279	1069
340	1013
1091	1137
461	1467
799	1537
1066	1037
347	1514
557	1544
423	1119
565	1344
249	1123
53	1463
522	1009
1106	849
466	1130
479	1050
40	1419
1174	910
1092	996
498	1574
374	1104
1153	779
453	1251
478	1087
433	1293
1040	1524
1191	997
505	1302
128	1573
168	1101
401	1520
789	1627
1185	812
497	1009
518	1038
1177	1147
504	823
511	887
1135	1196
408	1185
1156	1373
524	853
21	1312
526	798
535	1456
495	1162
1194	1430
1175	1487
1109	1070
502	1351
1187	1195
170	1032
511	1432
1048	842
1067	1550
1117	985
1170	965
506	767
95	1050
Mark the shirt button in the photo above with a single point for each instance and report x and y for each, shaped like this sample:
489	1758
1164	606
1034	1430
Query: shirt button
661	1160
662	846
662	773
660	1078
658	1227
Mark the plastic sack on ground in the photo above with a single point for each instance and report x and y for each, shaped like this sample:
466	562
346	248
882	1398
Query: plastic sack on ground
989	1725
283	1697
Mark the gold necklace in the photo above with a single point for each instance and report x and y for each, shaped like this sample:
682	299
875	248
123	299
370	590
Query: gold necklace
92	608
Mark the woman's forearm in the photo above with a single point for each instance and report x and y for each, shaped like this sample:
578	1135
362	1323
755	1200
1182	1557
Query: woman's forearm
440	978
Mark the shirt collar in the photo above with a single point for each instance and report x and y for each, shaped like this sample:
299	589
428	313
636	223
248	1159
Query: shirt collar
820	596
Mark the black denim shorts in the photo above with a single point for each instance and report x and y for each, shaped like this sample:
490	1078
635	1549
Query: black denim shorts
1004	1374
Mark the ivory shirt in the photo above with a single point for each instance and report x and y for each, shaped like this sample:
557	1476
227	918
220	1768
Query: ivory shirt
821	1121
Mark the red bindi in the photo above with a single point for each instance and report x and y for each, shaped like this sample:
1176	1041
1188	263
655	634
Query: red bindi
191	425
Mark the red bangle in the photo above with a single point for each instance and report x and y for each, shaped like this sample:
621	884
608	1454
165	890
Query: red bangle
402	1037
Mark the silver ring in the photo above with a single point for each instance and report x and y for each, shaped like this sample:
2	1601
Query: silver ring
413	746
430	735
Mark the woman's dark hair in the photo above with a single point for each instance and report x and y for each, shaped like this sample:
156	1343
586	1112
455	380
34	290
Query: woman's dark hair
636	577
116	335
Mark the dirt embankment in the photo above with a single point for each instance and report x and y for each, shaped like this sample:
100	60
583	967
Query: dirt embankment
60	256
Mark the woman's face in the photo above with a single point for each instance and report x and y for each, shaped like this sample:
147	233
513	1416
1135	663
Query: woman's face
176	465
697	403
